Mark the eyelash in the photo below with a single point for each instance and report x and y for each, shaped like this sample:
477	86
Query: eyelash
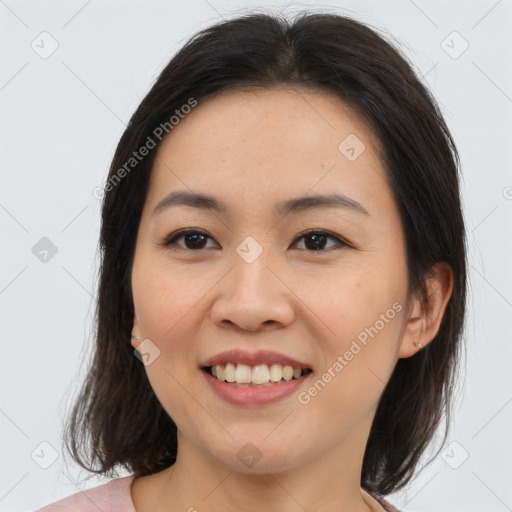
170	241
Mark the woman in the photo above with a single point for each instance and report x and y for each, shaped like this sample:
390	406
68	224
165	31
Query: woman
283	278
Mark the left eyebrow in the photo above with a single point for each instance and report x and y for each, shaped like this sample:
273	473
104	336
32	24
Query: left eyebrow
332	200
294	205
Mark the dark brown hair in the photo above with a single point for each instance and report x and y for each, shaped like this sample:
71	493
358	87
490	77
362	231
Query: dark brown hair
117	420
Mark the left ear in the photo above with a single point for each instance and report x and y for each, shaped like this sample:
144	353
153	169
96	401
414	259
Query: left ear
136	337
425	316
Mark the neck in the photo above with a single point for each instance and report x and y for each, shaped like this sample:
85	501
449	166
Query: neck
327	482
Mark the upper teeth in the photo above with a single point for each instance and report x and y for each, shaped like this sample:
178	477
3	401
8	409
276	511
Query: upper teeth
260	374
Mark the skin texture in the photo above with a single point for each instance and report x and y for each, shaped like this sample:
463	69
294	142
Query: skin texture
252	149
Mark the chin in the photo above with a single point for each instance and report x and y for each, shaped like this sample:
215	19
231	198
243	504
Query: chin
254	456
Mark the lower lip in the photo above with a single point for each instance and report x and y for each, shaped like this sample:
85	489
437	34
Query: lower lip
248	396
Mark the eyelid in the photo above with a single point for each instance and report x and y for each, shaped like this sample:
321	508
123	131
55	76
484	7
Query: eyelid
169	241
341	243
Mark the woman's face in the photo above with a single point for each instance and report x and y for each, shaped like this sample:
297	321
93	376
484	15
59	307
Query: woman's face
335	301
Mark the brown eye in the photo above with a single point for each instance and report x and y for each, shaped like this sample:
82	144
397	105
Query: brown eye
193	240
317	240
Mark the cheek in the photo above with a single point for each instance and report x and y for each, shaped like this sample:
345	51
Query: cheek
361	313
164	296
166	301
351	298
357	364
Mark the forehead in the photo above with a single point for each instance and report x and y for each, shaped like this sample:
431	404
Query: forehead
270	143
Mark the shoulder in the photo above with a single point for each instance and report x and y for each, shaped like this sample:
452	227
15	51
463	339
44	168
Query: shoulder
377	502
114	496
384	504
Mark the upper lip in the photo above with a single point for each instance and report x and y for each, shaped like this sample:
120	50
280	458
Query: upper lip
237	356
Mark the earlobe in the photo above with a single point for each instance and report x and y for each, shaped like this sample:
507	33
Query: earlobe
426	315
135	340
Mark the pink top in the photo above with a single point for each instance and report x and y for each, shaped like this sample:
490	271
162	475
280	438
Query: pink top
115	496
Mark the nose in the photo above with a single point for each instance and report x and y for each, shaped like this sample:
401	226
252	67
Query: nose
253	297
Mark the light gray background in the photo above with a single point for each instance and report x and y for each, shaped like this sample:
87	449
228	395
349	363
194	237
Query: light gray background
61	118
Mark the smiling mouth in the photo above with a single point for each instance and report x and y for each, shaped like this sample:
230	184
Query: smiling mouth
262	375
